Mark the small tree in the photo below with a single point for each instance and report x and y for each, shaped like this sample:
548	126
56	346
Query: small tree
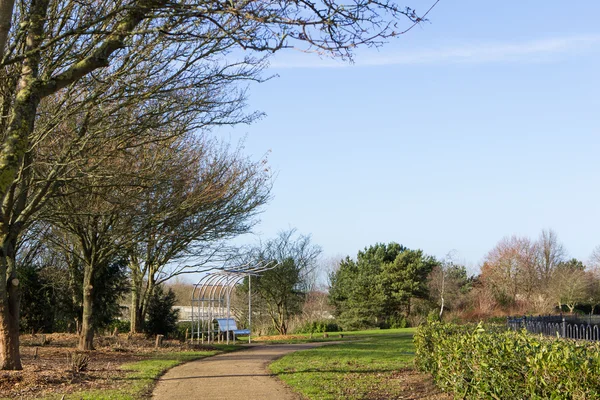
570	284
281	290
37	300
447	282
162	318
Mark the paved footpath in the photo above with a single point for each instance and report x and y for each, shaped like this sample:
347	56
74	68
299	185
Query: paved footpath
234	376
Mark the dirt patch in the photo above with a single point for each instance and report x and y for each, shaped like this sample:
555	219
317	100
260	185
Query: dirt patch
47	367
414	386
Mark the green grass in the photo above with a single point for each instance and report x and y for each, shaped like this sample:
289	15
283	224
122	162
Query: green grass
139	382
335	336
356	369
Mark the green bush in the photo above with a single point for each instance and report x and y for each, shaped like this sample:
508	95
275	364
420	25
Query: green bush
496	320
182	327
318	327
162	318
484	362
394	322
122	325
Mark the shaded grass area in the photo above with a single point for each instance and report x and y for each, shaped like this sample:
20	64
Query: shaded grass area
141	378
375	365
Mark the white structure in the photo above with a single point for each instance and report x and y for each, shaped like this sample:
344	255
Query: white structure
211	300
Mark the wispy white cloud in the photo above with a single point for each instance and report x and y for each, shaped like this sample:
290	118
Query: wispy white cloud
527	51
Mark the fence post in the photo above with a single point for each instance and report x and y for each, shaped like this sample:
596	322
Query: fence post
563	328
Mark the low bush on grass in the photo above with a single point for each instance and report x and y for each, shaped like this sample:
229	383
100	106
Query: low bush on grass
318	327
487	361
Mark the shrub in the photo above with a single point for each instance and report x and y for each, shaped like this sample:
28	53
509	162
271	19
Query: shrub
394	322
78	362
37	300
318	327
182	327
477	361
122	326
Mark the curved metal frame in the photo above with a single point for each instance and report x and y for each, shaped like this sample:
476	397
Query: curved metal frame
212	298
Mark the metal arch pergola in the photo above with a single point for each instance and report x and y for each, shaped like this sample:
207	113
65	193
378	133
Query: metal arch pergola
211	298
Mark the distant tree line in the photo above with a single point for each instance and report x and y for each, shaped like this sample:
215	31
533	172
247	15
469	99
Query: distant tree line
524	276
389	285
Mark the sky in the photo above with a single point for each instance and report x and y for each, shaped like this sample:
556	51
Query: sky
482	123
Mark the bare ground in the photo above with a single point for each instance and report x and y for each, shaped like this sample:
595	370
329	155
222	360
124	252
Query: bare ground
47	367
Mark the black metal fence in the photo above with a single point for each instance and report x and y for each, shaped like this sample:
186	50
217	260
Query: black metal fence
571	327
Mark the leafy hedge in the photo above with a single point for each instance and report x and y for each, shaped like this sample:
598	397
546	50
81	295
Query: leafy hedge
483	362
318	327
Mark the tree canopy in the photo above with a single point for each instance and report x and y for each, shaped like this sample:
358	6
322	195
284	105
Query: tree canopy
377	288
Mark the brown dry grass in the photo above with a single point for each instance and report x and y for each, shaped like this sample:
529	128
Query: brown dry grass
47	368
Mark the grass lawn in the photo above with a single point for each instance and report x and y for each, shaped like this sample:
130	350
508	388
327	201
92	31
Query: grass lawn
375	365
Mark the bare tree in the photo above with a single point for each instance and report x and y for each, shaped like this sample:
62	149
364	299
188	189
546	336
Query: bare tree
550	253
96	218
594	260
446	282
570	284
510	271
6	10
203	194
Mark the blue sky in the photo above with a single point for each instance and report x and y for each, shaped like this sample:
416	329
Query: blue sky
481	124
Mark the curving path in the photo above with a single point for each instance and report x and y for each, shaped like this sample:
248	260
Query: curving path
239	375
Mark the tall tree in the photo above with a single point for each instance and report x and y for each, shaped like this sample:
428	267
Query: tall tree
405	279
380	285
570	284
550	253
200	195
95	214
510	270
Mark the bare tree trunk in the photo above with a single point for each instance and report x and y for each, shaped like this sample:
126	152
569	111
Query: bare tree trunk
10	358
6	12
137	283
86	336
145	298
443	270
134	311
14	147
137	313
